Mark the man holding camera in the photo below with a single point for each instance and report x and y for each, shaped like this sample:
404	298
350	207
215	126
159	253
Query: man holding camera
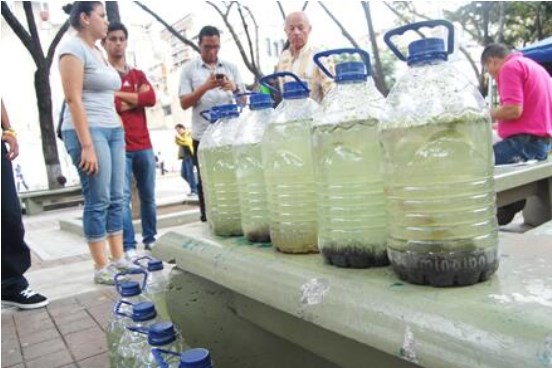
207	81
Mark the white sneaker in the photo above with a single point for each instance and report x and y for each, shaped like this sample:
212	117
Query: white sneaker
131	255
123	264
149	246
106	275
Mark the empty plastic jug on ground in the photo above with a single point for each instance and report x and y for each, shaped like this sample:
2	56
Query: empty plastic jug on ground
130	293
352	223
249	170
436	135
156	285
218	173
288	169
132	344
193	358
162	335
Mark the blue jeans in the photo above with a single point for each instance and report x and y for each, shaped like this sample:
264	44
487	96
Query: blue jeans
187	173
520	148
141	164
103	192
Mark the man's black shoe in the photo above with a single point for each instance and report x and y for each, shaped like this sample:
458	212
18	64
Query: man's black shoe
26	299
506	214
203	218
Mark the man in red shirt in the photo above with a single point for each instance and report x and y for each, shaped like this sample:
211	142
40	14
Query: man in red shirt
525	113
136	94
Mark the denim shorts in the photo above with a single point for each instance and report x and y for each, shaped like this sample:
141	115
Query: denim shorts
520	148
103	192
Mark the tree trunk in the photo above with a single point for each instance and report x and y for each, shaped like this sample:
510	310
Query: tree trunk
501	21
378	70
47	129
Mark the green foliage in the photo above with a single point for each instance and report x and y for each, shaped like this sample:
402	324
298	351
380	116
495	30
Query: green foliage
521	22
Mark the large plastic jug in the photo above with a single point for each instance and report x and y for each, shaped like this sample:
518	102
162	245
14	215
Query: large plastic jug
249	170
436	135
130	293
156	284
289	172
192	358
218	173
352	223
162	335
131	344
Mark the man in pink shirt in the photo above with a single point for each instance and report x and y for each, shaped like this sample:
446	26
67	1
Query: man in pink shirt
525	113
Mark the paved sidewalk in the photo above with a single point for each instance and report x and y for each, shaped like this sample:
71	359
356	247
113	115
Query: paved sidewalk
70	331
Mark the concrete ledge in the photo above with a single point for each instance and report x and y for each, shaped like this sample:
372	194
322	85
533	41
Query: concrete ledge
503	322
74	225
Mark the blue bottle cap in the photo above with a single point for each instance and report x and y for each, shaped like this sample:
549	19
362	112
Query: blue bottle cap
195	358
161	333
426	50
351	71
229	111
295	90
143	311
155	265
129	288
259	101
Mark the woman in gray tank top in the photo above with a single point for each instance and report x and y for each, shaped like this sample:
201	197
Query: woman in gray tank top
94	136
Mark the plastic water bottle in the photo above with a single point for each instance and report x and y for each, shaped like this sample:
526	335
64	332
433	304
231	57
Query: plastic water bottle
436	135
130	345
162	335
218	170
193	358
249	171
289	171
130	293
156	285
352	219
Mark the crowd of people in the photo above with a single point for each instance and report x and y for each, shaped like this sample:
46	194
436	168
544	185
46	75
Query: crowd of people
105	131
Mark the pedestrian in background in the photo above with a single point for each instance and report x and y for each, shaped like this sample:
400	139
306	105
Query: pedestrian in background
183	140
93	135
207	81
16	256
131	100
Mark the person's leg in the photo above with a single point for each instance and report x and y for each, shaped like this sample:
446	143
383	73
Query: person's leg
16	256
95	190
190	177
129	238
203	217
144	171
116	184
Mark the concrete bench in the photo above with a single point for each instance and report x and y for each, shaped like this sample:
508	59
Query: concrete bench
531	182
255	307
35	202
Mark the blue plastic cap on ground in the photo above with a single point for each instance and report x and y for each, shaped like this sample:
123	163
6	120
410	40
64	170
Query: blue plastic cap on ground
161	333
155	265
195	358
143	311
129	288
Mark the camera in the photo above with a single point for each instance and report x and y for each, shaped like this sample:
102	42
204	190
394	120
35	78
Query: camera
219	76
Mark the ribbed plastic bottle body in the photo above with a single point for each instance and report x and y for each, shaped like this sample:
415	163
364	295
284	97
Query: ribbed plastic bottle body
439	177
117	325
289	178
148	360
352	223
250	176
218	173
156	290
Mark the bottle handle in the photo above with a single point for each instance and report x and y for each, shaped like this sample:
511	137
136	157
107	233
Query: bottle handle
363	54
206	114
264	80
158	355
416	26
134	271
117	308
